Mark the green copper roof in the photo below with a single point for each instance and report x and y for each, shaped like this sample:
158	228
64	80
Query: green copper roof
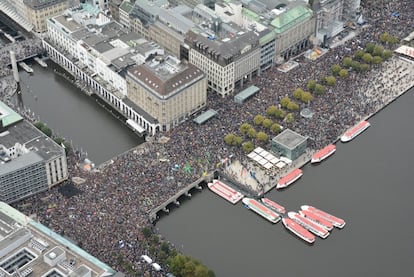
8	116
126	6
290	18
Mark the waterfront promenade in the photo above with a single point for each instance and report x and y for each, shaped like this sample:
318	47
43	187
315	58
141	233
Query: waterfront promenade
135	183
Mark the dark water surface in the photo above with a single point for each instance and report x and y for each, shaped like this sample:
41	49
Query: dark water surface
74	115
368	182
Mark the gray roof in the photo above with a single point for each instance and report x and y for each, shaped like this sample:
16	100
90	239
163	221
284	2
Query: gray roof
41	4
27	134
245	94
175	20
289	139
205	116
20	162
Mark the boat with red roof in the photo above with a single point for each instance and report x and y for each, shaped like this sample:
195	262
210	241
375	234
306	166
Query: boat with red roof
225	191
261	209
308	224
336	221
355	131
323	153
273	205
298	230
317	219
289	178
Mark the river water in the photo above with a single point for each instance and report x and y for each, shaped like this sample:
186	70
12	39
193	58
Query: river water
74	115
367	182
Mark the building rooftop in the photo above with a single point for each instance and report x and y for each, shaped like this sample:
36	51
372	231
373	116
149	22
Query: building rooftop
8	116
289	139
20	162
33	139
290	18
164	76
41	4
31	248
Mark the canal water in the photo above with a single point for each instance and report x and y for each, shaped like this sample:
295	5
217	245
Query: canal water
74	115
367	182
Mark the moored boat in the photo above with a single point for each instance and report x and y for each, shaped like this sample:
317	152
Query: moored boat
336	221
298	230
355	131
261	209
273	205
308	224
317	219
225	191
289	178
323	153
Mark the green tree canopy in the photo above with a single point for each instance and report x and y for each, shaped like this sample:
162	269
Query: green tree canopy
347	62
229	139
275	128
267	123
290	118
251	133
280	114
47	131
343	73
306	97
59	140
271	110
258	119
185	266
365	67
384	37
319	89
311	85
378	49
377	60
292	106
330	80
284	101
369	47
387	54
393	40
39	125
262	136
237	141
335	69
297	94
244	128
367	58
248	146
359	54
356	65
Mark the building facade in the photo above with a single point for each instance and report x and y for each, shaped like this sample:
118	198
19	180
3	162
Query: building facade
167	89
289	144
30	162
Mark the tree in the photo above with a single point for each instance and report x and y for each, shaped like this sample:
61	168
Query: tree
367	58
46	130
356	65
68	147
343	73
267	123
59	140
292	106
185	266
306	97
258	119
359	54
365	67
298	93
262	136
284	101
311	85
275	128
251	133
289	118
387	54
378	49
248	147
330	80
319	89
39	125
244	128
146	232
229	139
335	69
271	110
369	47
384	37
280	114
393	40
237	141
347	62
377	60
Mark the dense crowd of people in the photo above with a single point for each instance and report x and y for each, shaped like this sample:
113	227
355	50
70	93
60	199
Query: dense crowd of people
114	203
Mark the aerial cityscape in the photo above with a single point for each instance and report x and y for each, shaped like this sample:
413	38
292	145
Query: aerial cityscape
136	134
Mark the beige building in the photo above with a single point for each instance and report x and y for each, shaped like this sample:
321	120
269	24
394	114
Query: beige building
164	36
167	89
38	11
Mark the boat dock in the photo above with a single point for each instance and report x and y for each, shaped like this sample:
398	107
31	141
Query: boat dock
27	68
40	62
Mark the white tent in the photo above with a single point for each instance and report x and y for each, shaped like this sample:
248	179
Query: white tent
156	266
280	164
146	258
